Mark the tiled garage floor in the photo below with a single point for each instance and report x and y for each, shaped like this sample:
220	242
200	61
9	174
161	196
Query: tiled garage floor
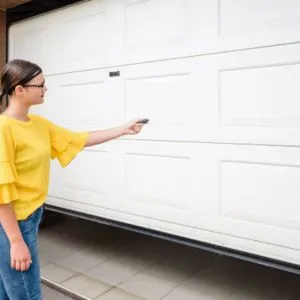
104	263
50	294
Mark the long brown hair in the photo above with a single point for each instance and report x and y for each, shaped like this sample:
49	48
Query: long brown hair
17	72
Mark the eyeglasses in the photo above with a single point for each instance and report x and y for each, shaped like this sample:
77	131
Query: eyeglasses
42	86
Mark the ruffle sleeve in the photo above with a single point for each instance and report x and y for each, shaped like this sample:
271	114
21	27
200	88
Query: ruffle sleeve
8	173
8	177
66	144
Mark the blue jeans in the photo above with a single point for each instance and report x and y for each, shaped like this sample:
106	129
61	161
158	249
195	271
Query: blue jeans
17	285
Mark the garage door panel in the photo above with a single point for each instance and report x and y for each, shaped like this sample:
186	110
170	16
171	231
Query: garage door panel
168	186
257	188
28	46
73	40
88	99
161	97
156	182
255	16
259	192
94	178
258	96
262	96
157	29
173	95
152	15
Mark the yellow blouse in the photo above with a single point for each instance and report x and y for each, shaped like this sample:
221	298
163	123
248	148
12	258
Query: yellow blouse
25	152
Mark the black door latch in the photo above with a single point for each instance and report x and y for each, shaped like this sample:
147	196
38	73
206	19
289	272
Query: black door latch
114	74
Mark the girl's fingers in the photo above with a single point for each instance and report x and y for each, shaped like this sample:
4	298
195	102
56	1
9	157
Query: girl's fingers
28	263
18	265
13	264
23	266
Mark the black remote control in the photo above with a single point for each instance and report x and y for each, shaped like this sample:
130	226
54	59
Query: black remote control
143	121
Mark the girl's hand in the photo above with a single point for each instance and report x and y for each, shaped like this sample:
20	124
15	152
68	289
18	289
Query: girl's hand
20	256
133	127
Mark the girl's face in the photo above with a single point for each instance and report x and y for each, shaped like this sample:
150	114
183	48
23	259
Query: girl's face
32	92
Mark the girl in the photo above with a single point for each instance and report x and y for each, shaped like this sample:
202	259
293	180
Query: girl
27	142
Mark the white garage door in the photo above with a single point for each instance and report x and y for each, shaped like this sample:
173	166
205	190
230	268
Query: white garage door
219	79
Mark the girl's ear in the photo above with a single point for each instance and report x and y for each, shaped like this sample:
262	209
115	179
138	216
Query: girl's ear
18	89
